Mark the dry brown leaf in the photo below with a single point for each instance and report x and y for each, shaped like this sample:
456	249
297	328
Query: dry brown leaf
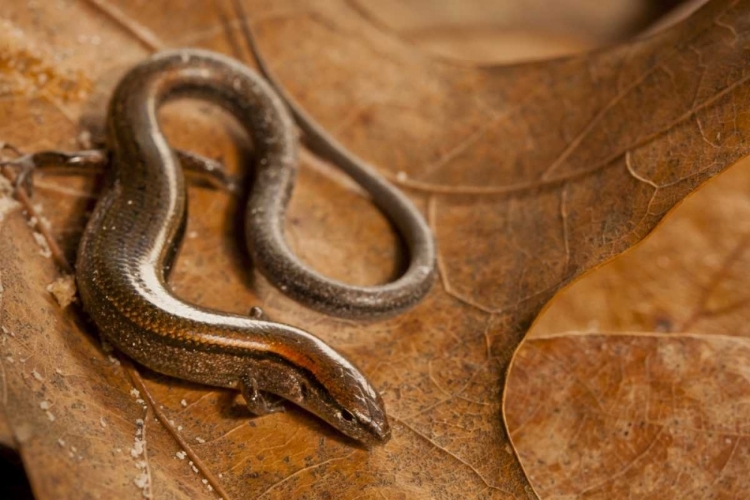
635	382
529	175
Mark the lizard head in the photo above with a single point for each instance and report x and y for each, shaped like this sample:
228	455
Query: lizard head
314	377
350	404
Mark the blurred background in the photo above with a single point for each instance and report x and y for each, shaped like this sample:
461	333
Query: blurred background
510	31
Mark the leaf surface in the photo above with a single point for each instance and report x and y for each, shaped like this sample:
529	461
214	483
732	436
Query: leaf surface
529	175
635	380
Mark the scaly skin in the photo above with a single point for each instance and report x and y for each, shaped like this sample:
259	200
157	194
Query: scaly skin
133	235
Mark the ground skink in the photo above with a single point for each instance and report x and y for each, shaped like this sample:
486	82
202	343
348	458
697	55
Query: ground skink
132	238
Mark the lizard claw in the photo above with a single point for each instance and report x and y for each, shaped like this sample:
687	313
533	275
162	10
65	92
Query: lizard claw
24	165
25	176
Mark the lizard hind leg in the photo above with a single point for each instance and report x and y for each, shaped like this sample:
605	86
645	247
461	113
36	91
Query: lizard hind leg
260	402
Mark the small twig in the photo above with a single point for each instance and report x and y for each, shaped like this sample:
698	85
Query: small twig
149	492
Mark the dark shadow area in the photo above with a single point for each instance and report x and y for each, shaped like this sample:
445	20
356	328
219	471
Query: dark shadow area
14	484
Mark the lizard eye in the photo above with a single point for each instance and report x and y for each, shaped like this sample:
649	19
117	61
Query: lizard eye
347	416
